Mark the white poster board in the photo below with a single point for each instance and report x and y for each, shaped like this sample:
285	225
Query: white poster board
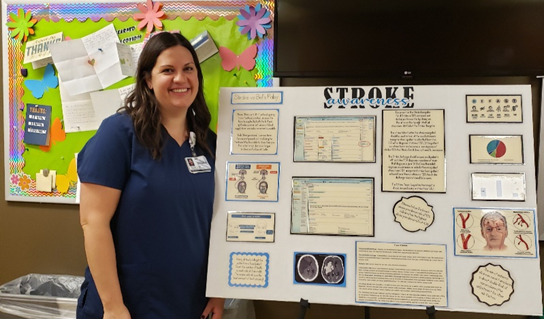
442	232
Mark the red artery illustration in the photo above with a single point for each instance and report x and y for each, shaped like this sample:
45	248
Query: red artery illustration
520	221
522	241
465	240
464	220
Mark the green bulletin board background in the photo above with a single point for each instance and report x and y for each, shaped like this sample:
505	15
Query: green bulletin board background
76	20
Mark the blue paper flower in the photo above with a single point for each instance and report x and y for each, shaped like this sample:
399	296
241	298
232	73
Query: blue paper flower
254	21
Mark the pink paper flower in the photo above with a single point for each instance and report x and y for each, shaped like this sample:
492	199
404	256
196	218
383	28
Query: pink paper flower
254	21
14	179
150	16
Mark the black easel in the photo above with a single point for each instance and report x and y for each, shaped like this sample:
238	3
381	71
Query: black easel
304	304
367	312
430	311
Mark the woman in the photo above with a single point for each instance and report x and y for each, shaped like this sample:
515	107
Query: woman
145	214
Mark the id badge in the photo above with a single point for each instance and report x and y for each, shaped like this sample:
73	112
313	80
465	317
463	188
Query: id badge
198	164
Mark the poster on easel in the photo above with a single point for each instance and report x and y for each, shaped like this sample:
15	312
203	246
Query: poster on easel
379	202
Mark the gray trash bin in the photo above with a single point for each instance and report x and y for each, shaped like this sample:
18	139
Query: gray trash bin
239	309
37	296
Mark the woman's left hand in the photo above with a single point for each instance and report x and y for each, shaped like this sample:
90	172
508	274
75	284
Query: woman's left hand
215	307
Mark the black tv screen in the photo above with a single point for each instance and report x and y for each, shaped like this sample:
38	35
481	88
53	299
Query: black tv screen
408	38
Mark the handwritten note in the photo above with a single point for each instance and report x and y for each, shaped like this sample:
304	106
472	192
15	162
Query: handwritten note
101	38
492	285
85	112
248	270
136	50
113	63
71	60
79	116
93	62
413	213
107	102
255	132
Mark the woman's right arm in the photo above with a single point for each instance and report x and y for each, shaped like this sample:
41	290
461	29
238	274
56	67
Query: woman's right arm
97	206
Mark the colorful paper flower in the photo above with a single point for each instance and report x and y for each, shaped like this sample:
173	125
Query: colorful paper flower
150	16
20	25
24	182
254	21
14	179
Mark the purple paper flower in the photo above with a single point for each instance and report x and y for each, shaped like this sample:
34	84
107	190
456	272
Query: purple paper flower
254	21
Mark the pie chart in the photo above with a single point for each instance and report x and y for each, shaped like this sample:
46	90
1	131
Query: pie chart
496	148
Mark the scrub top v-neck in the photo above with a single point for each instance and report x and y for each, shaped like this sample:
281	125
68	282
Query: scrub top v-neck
161	226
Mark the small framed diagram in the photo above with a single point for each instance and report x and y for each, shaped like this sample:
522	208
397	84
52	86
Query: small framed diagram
252	181
498	186
494	109
495	231
251	227
496	149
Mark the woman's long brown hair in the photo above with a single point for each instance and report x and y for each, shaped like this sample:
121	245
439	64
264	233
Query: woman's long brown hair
143	107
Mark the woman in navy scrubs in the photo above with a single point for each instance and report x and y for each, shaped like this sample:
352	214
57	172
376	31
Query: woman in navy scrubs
145	212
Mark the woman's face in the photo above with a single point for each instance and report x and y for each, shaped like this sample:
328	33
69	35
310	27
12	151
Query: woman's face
174	80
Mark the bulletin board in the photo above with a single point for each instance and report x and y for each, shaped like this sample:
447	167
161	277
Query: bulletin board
384	196
241	31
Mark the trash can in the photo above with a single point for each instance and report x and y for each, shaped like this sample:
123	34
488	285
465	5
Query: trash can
37	296
239	309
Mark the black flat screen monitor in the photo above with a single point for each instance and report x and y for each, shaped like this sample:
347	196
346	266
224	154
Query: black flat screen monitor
408	38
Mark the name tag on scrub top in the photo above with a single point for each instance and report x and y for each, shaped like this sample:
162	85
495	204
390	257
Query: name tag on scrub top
198	164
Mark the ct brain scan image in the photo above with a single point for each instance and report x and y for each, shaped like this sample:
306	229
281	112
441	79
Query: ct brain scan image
332	269
307	268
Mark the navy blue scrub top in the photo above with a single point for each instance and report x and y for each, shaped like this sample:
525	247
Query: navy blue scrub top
161	227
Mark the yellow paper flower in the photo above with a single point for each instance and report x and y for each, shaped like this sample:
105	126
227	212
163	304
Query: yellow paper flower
20	25
24	182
